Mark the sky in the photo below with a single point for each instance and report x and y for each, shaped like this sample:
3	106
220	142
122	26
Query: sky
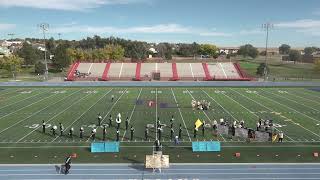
220	22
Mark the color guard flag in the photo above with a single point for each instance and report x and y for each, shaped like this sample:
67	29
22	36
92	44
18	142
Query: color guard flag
274	137
198	123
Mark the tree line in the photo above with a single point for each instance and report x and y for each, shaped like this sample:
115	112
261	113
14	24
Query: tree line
62	53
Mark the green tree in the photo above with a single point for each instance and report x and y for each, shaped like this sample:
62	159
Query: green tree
50	45
261	69
136	50
209	50
11	63
114	52
28	53
61	58
294	55
309	50
40	68
248	51
165	50
284	49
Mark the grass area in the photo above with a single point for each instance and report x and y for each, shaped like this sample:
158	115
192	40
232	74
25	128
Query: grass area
27	74
295	111
283	71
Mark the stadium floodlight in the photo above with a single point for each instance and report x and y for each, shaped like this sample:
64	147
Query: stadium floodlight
266	27
45	27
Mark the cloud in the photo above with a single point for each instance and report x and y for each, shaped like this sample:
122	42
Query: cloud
215	34
306	26
300	24
6	26
312	31
153	29
161	28
251	32
71	5
317	12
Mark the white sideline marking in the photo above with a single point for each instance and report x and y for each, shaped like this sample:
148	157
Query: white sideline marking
55	115
170	173
251	112
134	107
83	114
181	114
290	108
90	68
156	114
21	100
191	70
120	70
292	100
205	114
223	70
271	110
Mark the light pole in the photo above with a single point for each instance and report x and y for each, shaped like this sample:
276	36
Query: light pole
45	27
11	34
267	27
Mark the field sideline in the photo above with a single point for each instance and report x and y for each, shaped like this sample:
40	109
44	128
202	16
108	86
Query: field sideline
295	111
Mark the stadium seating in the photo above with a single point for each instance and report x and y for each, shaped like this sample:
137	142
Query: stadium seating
157	71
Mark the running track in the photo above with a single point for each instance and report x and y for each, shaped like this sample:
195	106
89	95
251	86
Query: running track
176	171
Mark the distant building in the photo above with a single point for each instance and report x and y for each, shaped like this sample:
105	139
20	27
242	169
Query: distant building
229	50
7	43
4	51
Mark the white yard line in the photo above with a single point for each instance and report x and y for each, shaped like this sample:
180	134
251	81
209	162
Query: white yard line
191	70
291	100
205	114
56	114
83	114
251	112
310	94
289	108
27	106
19	94
317	102
220	105
120	70
21	100
90	68
181	114
223	70
134	108
113	106
272	110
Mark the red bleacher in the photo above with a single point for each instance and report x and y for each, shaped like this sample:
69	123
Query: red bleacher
138	72
74	67
141	72
105	72
206	71
243	75
175	76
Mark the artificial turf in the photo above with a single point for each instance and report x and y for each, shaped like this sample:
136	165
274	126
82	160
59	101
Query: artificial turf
296	112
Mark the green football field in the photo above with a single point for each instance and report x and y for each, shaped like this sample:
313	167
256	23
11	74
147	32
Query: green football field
295	111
